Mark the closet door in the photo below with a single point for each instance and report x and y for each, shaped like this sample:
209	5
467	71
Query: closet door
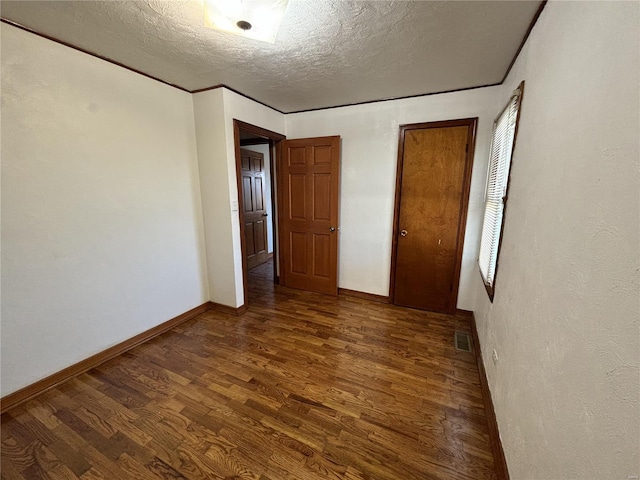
434	173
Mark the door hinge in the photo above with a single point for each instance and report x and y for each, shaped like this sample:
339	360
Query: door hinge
451	288
466	148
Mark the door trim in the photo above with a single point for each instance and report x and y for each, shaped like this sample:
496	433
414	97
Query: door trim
274	146
471	123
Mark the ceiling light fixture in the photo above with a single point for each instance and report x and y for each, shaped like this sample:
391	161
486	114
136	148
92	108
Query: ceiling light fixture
257	19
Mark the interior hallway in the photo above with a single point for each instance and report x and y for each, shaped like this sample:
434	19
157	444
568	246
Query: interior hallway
301	386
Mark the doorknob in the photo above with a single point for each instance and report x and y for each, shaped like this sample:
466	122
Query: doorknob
265	214
403	233
332	229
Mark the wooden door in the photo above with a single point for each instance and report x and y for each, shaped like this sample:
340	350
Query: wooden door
309	173
432	194
254	207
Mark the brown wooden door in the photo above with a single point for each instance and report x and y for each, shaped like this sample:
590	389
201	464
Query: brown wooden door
309	173
254	207
434	173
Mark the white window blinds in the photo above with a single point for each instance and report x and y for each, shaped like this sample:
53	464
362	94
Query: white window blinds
497	178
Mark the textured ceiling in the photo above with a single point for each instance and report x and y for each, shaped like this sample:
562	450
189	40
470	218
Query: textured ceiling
327	52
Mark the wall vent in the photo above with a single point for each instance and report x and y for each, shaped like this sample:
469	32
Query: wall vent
462	341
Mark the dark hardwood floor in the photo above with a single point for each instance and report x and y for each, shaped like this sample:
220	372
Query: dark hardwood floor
302	386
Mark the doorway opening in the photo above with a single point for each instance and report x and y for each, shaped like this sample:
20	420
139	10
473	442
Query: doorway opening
256	162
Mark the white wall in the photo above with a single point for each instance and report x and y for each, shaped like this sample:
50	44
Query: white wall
215	111
215	172
264	150
566	319
369	155
369	158
101	210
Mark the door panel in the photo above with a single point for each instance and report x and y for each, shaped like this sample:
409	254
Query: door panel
322	197
297	155
322	155
321	255
258	189
255	214
247	193
260	236
298	253
433	194
297	192
309	174
250	243
257	164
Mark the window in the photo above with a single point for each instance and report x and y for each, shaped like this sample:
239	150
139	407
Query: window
502	143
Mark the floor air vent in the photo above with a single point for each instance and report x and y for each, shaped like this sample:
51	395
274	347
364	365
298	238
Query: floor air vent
463	341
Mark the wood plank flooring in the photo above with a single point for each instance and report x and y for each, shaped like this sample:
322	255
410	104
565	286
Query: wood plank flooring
302	386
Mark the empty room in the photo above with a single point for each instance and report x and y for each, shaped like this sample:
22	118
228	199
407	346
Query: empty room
295	239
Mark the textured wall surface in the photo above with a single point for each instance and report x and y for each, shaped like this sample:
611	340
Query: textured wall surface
367	191
101	213
328	52
566	317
